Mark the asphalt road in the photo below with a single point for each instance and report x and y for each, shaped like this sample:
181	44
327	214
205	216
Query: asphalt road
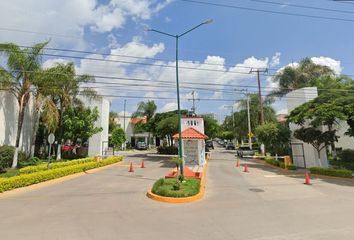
111	204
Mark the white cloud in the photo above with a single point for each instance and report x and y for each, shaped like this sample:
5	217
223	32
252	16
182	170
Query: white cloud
150	95
70	18
282	111
275	60
169	107
329	62
52	62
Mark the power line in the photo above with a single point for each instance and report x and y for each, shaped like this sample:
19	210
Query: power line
303	6
34	32
267	11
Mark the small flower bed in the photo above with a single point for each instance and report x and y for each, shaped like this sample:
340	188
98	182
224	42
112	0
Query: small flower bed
171	188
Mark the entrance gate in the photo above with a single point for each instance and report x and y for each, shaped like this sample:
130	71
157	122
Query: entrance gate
298	154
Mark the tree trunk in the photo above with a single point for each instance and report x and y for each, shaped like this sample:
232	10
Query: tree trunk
333	146
21	114
35	126
60	131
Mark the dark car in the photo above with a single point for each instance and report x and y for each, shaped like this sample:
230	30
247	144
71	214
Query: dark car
209	144
230	146
245	151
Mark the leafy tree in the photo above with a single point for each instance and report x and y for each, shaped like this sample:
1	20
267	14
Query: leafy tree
315	137
112	124
211	126
18	76
65	87
168	127
305	74
118	137
275	137
148	110
79	123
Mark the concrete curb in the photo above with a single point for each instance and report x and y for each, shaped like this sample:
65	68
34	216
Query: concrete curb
289	172
194	198
54	181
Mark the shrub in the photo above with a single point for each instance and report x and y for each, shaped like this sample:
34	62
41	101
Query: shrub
170	188
169	150
291	167
6	156
44	166
332	172
41	176
29	162
347	155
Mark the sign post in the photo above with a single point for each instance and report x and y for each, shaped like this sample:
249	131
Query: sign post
51	139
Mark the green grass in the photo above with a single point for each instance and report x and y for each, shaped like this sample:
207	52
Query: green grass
332	172
165	187
9	173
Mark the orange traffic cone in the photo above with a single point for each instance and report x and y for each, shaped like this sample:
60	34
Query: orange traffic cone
307	179
131	168
142	164
245	169
238	163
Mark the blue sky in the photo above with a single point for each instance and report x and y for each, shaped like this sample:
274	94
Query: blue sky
236	40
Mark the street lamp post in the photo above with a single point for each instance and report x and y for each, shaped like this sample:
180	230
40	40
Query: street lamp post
180	146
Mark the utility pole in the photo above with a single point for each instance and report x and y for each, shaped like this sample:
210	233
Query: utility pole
125	103
261	119
193	99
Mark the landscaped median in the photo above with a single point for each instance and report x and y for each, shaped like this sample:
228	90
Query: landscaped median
37	174
169	191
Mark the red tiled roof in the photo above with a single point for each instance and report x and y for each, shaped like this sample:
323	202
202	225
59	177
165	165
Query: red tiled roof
191	133
138	120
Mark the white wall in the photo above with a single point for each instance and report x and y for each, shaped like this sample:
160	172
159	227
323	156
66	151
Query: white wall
344	141
98	143
8	122
194	122
295	99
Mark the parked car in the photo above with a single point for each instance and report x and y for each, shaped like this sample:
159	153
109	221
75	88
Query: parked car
230	146
141	146
245	151
209	144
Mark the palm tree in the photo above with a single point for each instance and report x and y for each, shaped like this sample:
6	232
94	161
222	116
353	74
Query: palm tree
148	110
303	75
18	78
63	91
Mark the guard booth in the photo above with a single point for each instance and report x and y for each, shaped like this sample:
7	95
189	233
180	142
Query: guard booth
193	146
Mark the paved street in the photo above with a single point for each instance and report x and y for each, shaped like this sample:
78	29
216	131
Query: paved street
111	204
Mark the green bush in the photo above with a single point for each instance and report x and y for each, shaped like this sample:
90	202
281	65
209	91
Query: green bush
32	161
6	156
169	150
44	166
332	172
347	155
291	167
168	187
41	176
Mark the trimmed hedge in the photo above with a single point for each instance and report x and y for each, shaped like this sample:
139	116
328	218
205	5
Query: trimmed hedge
280	164
54	165
332	172
42	176
168	150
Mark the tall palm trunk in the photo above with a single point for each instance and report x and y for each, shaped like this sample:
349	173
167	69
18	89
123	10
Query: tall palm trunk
61	130
23	100
35	126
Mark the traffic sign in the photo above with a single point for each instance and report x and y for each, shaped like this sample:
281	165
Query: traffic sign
250	134
51	138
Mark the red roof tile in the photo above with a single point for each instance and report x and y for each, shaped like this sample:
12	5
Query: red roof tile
191	133
138	120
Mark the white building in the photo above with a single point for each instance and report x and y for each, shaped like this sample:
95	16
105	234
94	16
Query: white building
98	143
304	153
9	116
8	122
